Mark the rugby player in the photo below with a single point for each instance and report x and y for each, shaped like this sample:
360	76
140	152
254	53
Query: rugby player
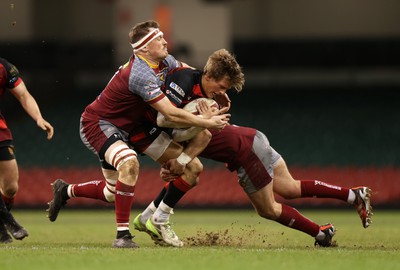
11	80
106	123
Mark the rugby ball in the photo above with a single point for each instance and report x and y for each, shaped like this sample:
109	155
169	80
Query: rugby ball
191	106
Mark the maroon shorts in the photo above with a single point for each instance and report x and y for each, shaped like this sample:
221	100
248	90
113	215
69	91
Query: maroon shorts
98	136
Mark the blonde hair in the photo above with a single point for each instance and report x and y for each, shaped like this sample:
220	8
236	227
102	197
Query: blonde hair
222	63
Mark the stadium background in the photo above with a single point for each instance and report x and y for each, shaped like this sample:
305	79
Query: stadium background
322	82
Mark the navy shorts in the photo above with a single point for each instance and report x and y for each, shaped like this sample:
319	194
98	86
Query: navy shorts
7	151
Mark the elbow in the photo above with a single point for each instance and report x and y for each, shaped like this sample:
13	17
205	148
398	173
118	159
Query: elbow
164	121
160	120
179	135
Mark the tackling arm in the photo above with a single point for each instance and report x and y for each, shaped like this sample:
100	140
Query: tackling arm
184	119
180	135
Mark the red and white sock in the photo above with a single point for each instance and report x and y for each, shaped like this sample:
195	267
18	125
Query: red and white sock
93	190
290	217
319	189
123	204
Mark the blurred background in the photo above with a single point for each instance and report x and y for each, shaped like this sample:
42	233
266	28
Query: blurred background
322	82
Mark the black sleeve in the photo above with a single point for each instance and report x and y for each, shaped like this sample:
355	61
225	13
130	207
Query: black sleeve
12	73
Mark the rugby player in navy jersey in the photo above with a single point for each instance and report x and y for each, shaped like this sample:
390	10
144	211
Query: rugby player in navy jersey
10	80
120	108
261	170
223	73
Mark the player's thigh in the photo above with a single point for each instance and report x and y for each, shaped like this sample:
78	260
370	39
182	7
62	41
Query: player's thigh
124	159
173	150
111	154
284	184
264	202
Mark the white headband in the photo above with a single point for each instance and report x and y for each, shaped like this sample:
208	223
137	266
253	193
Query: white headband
144	41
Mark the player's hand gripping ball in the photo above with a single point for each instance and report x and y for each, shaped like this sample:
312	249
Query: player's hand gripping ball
192	106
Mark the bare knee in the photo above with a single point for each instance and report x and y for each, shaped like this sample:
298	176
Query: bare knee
10	190
264	203
129	171
195	167
269	211
192	171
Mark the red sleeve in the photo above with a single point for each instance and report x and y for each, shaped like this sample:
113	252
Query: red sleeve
18	82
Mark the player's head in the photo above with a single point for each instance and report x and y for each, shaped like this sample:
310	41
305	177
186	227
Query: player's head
147	39
222	73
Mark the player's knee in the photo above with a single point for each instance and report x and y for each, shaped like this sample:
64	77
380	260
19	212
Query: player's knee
10	190
268	211
192	172
195	181
129	170
122	156
195	167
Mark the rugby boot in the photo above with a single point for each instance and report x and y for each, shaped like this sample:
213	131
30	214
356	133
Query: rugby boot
16	230
141	227
59	199
362	204
5	238
165	232
329	232
125	242
138	225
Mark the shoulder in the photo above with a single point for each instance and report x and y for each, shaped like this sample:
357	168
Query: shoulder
11	69
171	62
141	73
185	78
11	73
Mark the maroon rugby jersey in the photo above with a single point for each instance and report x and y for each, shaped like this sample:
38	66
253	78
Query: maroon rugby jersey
126	97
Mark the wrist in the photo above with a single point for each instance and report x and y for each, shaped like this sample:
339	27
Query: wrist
183	159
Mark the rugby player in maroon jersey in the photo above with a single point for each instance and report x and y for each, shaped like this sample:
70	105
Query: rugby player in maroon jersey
10	80
261	170
119	109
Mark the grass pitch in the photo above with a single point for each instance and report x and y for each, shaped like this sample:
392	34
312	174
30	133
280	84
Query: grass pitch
214	240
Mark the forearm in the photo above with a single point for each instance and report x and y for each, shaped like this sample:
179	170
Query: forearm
27	102
181	135
31	107
184	119
170	116
163	122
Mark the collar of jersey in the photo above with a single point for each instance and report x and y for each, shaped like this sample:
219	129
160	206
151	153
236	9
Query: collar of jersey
150	64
